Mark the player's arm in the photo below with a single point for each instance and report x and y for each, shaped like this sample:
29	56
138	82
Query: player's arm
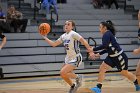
105	42
103	52
85	43
88	47
52	43
3	41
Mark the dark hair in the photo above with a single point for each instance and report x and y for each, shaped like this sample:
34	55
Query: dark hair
109	25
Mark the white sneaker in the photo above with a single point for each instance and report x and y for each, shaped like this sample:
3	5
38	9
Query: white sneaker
78	82
72	89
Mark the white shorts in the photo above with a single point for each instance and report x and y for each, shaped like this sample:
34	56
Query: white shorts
77	61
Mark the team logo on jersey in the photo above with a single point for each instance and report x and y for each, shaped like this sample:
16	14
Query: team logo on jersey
66	44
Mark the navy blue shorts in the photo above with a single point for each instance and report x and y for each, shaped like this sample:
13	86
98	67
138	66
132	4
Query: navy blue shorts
120	62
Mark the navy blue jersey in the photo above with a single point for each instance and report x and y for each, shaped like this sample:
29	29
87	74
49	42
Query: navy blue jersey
109	45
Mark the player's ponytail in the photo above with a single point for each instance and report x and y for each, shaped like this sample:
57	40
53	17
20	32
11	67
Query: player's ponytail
111	27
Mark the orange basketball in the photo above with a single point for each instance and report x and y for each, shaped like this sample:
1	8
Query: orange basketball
44	28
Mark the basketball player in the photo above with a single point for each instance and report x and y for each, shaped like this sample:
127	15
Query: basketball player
136	52
1	46
116	56
73	59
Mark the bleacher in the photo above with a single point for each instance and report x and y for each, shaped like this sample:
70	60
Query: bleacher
135	3
27	54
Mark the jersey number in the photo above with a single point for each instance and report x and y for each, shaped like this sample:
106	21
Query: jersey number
67	46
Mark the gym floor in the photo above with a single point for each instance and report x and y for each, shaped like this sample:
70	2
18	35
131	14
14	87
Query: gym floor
113	83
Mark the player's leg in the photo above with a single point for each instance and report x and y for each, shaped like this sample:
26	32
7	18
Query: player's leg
102	70
138	75
131	77
138	72
77	77
78	82
66	73
123	67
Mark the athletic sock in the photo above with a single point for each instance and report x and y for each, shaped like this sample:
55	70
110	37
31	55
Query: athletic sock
73	86
99	85
77	76
136	82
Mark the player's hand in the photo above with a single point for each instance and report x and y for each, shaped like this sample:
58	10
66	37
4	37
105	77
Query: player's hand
90	49
97	56
92	56
136	51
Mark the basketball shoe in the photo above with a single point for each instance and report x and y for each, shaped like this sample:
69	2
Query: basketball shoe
72	89
96	89
79	81
137	87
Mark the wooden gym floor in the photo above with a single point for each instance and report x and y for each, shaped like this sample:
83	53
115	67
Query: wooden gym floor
114	83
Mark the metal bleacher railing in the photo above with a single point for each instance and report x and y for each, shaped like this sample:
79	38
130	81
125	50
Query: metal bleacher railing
89	39
53	17
52	12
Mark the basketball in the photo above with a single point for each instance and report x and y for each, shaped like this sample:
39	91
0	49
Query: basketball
44	28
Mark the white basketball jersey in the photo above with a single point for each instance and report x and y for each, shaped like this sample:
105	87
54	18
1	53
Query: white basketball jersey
71	43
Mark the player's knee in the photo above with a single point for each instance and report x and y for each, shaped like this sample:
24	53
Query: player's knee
124	72
102	69
63	74
138	74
